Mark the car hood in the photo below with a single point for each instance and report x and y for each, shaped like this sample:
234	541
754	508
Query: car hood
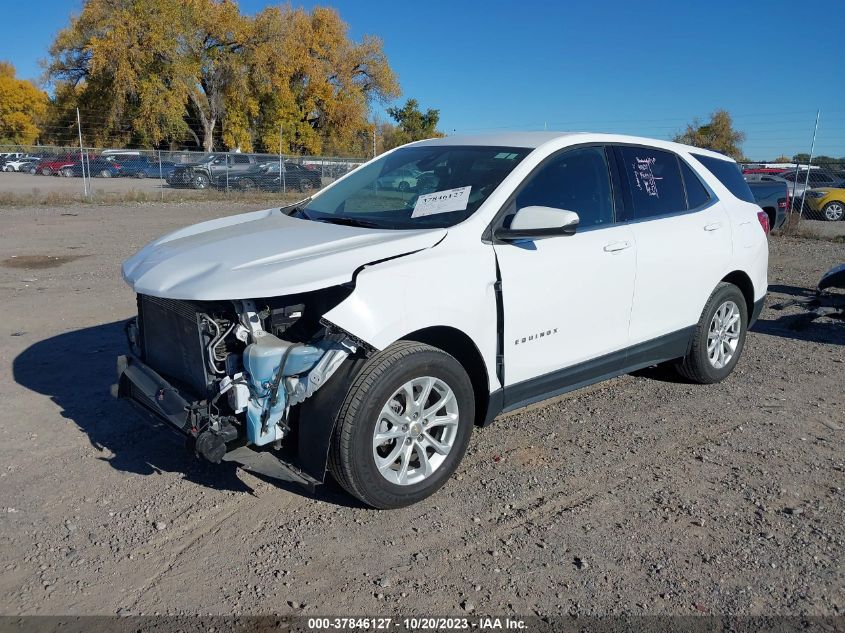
263	254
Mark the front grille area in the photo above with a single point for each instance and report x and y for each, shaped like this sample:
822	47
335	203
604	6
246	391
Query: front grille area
171	341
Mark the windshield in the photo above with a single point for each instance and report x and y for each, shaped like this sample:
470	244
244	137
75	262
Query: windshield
417	187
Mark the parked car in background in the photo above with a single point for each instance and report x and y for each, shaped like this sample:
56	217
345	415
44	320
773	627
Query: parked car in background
97	168
203	173
17	164
806	180
51	166
764	170
401	180
366	333
828	202
143	167
267	176
773	198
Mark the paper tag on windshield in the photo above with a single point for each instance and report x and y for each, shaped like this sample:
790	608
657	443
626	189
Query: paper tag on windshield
442	202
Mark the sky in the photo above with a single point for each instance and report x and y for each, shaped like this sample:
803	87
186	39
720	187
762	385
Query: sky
644	68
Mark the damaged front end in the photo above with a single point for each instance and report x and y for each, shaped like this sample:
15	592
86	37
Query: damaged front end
234	376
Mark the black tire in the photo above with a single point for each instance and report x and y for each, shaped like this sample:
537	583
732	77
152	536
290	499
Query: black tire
305	185
246	184
67	172
200	181
696	365
833	211
105	173
351	459
46	172
141	174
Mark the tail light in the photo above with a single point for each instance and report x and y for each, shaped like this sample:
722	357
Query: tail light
763	218
782	203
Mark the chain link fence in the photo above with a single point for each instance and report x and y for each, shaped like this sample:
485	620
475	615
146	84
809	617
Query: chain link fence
44	173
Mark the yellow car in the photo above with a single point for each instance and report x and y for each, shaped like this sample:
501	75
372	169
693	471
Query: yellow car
829	202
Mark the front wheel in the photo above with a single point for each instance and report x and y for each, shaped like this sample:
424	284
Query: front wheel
833	211
200	181
305	185
403	427
105	173
719	337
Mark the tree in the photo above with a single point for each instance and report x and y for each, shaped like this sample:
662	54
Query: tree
412	124
314	82
159	70
22	104
717	134
801	158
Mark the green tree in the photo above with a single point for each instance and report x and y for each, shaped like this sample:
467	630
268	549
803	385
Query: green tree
717	134
411	124
22	104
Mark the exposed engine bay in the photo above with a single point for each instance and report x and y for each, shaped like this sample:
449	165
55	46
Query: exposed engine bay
236	369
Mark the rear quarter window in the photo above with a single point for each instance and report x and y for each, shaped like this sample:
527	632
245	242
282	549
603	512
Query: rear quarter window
727	172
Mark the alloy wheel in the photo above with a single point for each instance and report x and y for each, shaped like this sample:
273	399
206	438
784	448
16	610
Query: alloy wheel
834	211
415	431
723	334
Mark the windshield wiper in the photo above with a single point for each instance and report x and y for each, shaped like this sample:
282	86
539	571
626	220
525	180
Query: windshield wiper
350	222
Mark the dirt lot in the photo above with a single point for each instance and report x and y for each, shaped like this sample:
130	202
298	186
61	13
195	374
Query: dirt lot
639	495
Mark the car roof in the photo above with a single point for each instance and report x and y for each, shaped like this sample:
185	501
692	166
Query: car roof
533	140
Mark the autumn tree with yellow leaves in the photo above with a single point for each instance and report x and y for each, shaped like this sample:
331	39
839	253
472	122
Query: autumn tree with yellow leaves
148	72
22	104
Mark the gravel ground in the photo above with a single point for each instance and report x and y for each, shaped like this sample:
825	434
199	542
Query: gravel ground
641	495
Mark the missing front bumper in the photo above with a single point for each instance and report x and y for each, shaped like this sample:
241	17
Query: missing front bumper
142	386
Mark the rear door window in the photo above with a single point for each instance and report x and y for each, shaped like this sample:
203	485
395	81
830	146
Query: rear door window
728	174
654	182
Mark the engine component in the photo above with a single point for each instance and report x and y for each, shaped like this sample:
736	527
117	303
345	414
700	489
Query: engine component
282	318
267	361
336	350
238	391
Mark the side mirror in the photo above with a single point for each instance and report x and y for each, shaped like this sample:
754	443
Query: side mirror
531	223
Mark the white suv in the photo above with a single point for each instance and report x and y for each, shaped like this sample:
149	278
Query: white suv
366	330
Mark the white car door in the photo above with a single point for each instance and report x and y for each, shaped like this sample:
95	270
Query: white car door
683	238
566	299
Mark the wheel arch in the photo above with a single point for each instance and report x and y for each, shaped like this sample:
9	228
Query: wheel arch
741	280
459	345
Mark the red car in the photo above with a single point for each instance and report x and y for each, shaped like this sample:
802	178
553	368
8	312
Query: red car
764	170
54	166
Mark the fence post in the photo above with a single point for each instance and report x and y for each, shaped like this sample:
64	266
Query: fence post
160	176
809	164
81	154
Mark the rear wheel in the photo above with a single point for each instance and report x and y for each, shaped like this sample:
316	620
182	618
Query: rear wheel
305	185
246	184
719	337
105	173
833	211
141	174
46	172
403	427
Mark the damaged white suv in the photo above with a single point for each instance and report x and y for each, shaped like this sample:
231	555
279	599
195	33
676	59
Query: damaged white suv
365	330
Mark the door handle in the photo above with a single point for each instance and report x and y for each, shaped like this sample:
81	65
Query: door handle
713	227
616	246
